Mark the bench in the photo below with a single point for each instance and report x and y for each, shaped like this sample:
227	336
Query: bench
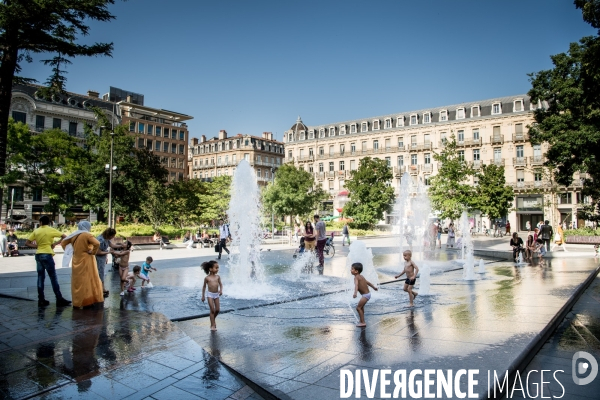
582	239
22	245
147	241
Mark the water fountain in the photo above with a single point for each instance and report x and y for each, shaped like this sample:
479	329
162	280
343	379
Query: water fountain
360	253
467	248
481	266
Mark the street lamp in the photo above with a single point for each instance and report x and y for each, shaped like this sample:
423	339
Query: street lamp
110	168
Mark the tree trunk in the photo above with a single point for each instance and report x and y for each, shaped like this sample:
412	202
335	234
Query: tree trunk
7	73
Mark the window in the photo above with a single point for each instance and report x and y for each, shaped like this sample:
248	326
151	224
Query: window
537	176
331	167
353	128
364	146
443	137
461	136
426	180
311	134
341	166
388	123
399	122
375	144
331	152
311	168
476	134
413	141
150	129
427	158
537	152
40	122
342	129
364	127
352	148
322	133
427	138
400	161
165	147
413	119
19	116
518	105
413	159
173	148
149	144
475	111
56	123
426	118
342	149
496	133
140	143
443	115
476	155
388	144
331	131
37	194
301	155
352	165
72	128
131	126
375	124
310	152
290	136
520	175
519	131
166	132
157	146
141	127
520	152
158	131
320	167
16	192
174	135
460	113
258	173
321	151
181	149
496	108
461	155
401	142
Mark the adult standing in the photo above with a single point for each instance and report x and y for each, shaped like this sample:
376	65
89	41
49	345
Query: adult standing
13	244
42	239
310	239
321	241
86	286
546	234
102	254
559	238
439	233
528	226
3	244
346	234
224	234
451	235
508	227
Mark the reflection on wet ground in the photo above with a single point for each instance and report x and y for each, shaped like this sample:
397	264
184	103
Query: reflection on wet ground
59	353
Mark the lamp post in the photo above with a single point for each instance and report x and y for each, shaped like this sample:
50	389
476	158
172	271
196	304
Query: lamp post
110	168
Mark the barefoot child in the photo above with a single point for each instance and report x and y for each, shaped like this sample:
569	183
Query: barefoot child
411	270
131	278
215	289
123	261
361	285
146	268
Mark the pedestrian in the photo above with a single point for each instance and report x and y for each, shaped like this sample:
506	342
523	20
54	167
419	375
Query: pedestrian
106	244
508	227
411	270
361	285
42	240
321	241
536	233
559	238
86	286
439	233
158	239
528	226
224	235
346	234
529	247
12	243
3	244
517	245
451	235
145	273
123	261
546	234
215	290
310	238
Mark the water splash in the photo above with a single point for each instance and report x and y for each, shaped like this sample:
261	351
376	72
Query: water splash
360	253
425	279
467	248
481	266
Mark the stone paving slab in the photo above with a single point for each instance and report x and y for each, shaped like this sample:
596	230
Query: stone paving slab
296	350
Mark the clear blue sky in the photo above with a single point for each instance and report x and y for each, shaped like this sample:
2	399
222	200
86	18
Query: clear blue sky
254	66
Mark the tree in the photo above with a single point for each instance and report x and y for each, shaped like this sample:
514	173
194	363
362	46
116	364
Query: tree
569	120
293	193
215	200
155	207
449	191
184	206
492	196
370	192
43	26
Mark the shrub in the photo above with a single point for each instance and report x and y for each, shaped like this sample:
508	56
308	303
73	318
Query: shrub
583	232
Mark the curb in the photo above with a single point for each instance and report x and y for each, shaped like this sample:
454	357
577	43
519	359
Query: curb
530	351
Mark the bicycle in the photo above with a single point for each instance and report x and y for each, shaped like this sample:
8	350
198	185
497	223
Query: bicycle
328	250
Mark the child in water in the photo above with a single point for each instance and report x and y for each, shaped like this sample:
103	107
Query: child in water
215	289
411	270
124	266
131	277
361	285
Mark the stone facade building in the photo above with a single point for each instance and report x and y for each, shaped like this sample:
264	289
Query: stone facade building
221	154
488	131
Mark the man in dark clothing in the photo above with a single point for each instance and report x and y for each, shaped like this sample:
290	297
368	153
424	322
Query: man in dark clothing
224	234
546	234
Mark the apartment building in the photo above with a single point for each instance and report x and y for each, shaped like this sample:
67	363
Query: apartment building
221	154
488	131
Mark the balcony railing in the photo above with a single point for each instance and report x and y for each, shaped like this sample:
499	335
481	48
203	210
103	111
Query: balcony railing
520	137
498	161
476	164
536	160
399	170
420	146
289	159
497	139
520	161
413	169
427	167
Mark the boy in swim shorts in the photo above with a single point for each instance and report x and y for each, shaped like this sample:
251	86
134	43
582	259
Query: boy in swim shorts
215	290
411	270
361	285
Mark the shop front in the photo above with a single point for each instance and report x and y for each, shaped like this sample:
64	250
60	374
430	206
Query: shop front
530	208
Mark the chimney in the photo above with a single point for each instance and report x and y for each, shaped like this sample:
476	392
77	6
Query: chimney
94	94
194	141
202	138
129	99
222	134
267	135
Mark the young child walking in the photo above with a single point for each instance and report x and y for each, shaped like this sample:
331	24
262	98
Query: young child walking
131	278
123	261
145	273
361	285
411	270
215	290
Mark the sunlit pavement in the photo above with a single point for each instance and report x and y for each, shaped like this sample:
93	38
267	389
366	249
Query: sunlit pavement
292	343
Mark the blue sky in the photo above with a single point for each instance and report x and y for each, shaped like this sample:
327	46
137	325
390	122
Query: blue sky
254	66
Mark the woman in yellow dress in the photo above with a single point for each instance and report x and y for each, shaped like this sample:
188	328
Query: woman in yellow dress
86	286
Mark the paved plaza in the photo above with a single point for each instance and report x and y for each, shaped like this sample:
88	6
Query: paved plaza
294	337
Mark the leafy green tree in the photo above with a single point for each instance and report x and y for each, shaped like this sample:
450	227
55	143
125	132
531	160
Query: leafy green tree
492	196
184	206
570	119
450	191
370	192
293	193
43	26
214	201
155	207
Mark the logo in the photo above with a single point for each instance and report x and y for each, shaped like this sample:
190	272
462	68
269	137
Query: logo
582	367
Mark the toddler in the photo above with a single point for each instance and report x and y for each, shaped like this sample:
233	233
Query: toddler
123	261
131	278
215	290
146	268
361	285
411	270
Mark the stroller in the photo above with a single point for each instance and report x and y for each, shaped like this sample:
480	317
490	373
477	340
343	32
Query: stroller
300	249
308	268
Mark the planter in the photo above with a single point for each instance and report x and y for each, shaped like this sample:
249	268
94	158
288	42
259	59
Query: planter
583	239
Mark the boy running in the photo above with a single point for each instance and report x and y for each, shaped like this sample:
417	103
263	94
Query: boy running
411	270
361	285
